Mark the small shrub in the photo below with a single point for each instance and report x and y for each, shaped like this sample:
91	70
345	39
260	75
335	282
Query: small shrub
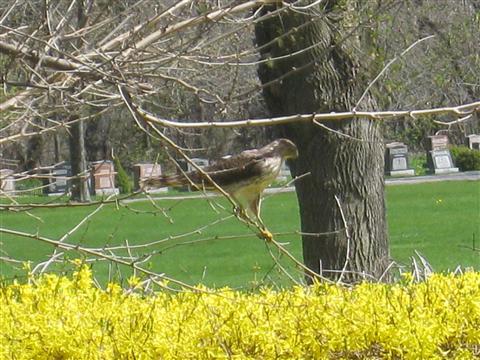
418	162
53	317
123	181
466	159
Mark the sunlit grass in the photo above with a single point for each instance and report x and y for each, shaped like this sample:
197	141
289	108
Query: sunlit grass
205	244
440	220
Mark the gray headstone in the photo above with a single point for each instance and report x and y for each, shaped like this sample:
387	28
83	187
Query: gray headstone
7	181
473	141
438	142
440	162
399	163
201	163
58	179
283	173
396	160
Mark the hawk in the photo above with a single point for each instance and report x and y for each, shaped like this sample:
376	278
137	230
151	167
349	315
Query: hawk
243	176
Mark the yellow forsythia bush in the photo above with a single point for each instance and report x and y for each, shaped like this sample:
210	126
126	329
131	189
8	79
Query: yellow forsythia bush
69	318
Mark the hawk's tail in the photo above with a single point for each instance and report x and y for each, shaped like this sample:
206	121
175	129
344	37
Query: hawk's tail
163	181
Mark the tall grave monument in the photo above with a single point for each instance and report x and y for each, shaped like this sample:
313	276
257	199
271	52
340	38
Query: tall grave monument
143	171
103	177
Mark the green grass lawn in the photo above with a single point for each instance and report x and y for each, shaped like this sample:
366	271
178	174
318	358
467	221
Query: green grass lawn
440	220
204	244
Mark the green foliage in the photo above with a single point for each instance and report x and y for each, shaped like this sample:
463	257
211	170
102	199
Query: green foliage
466	159
123	180
419	163
416	132
30	184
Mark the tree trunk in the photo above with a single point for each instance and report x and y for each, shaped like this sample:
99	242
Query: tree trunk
80	191
56	147
78	153
345	185
35	146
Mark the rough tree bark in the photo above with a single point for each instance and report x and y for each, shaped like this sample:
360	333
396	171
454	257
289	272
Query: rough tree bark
78	153
78	156
348	168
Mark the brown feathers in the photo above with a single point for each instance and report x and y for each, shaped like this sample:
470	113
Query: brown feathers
243	176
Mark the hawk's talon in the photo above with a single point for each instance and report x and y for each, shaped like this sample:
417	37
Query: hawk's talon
266	235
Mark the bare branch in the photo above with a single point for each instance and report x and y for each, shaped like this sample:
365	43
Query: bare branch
461	110
97	254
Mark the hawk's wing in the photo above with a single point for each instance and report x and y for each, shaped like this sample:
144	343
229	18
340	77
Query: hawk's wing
243	176
235	170
229	172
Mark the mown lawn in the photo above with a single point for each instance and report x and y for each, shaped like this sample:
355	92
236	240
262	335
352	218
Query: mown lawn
440	220
204	244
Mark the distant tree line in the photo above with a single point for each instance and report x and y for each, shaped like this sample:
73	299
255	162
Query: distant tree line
441	71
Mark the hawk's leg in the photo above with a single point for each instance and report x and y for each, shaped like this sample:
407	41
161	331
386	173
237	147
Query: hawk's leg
254	213
255	208
239	212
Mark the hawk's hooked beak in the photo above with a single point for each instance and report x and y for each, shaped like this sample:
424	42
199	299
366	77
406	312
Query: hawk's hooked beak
287	149
293	154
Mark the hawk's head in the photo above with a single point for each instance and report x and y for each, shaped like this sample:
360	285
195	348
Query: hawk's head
285	148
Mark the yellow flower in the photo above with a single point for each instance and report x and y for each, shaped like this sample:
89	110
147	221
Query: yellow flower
62	317
77	262
133	281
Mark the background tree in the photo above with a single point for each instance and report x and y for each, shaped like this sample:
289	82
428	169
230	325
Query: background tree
438	71
200	82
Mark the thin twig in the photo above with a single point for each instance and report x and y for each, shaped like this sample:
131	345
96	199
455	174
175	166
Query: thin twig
347	235
387	66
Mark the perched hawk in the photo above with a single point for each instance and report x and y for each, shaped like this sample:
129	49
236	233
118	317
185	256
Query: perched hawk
243	176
